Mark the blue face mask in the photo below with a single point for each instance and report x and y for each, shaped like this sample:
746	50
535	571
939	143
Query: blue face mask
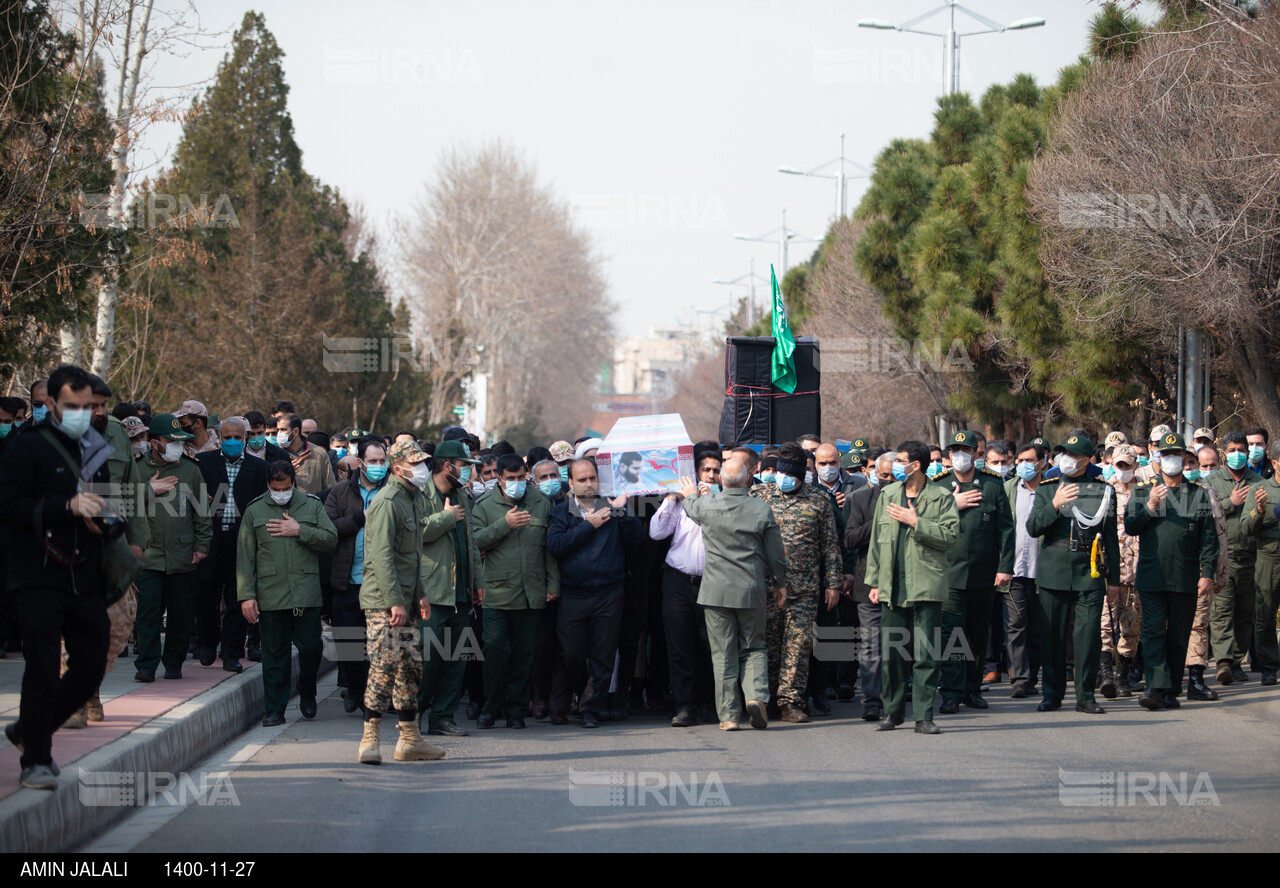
1027	471
935	469
873	479
714	488
767	477
5	429
564	473
464	475
232	447
75	422
979	463
550	487
339	452
257	442
1108	472
375	473
514	489
788	483
899	472
1143	461
39	412
1191	474
1255	454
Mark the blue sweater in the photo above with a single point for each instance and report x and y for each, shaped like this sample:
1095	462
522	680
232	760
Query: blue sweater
590	560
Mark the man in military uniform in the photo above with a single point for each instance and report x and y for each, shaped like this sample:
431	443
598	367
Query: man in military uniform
180	536
1174	524
521	577
981	559
1205	463
806	518
743	551
915	525
1122	618
1231	613
282	533
392	599
1075	517
1265	525
453	580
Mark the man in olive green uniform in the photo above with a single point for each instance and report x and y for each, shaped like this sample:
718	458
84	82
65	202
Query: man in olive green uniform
981	559
1231	612
1074	515
744	549
392	600
915	525
1264	524
452	579
180	534
521	578
278	585
1173	521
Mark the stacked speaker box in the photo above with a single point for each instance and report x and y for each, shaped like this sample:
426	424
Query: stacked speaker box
757	413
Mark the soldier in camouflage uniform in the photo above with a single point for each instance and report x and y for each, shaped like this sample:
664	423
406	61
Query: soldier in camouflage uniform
1122	619
392	599
807	521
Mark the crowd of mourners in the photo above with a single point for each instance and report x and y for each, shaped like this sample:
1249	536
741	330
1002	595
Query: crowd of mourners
778	580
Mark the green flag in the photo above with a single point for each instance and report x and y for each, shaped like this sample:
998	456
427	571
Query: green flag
784	344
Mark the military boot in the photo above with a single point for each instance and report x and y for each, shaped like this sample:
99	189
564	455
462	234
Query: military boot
370	754
93	708
1107	676
77	719
1196	688
412	748
1122	677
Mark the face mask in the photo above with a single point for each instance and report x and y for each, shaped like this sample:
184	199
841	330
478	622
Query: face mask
1191	474
5	429
1108	472
1236	460
257	442
282	440
550	487
75	422
340	452
874	480
375	473
419	474
978	463
962	462
564	473
232	448
787	483
39	412
464	475
767	477
1067	465
935	469
714	488
172	452
1143	462
1255	454
1172	464
1002	471
490	484
514	489
899	472
1205	474
808	477
139	447
828	474
1124	476
1026	471
281	497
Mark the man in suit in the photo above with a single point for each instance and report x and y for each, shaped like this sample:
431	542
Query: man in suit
233	480
857	539
744	550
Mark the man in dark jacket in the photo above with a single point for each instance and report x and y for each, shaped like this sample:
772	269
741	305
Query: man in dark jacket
857	539
346	507
588	536
55	561
233	480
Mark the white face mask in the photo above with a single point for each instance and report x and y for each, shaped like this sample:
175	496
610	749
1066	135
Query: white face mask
172	452
421	473
808	477
282	439
1002	471
139	446
827	474
1124	476
281	497
1171	464
1067	465
961	461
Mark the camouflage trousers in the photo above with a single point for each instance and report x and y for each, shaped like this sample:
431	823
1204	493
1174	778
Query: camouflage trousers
788	638
121	614
395	662
1127	612
1198	648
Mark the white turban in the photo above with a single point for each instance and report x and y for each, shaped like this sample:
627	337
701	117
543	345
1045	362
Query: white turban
589	444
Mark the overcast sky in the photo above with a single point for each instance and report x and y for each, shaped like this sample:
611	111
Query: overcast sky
664	123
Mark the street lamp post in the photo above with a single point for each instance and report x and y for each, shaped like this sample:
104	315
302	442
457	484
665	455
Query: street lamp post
842	187
951	39
750	277
785	236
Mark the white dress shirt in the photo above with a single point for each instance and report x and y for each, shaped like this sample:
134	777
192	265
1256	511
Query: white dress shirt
686	554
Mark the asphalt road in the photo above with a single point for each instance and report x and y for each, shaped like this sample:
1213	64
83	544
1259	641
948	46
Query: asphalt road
1008	779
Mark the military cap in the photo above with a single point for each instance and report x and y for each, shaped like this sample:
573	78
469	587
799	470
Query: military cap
963	439
1171	441
1125	453
357	434
133	426
859	445
1202	433
406	451
1115	439
1077	445
561	451
1159	432
1041	441
851	460
165	425
452	450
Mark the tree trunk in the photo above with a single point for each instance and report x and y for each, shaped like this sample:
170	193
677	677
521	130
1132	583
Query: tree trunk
1250	358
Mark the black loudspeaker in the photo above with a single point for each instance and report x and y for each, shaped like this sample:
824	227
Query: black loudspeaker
757	413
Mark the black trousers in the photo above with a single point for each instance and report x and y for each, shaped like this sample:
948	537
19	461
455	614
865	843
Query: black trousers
635	588
50	617
589	624
688	653
349	640
216	591
473	675
848	616
550	673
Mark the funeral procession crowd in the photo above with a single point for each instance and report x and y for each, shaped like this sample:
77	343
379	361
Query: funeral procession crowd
778	579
